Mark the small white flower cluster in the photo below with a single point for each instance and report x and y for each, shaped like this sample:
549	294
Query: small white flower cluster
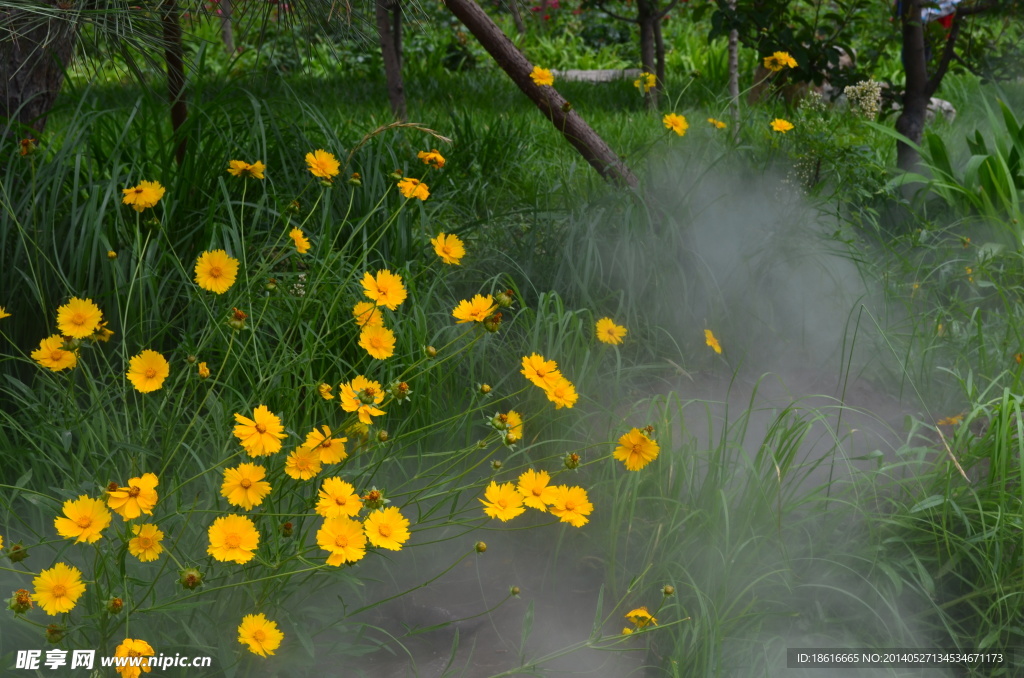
299	289
865	98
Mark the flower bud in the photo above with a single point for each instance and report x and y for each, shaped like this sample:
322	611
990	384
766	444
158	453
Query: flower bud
20	602
484	389
294	207
17	552
480	547
115	605
397	175
237	320
514	591
400	391
355	179
430	351
668	590
496	464
191	578
111	254
572	461
270	285
287	528
55	633
28	146
374	499
504	299
191	359
493	324
382	436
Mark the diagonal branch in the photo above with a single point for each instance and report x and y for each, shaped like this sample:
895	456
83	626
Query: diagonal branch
947	55
601	6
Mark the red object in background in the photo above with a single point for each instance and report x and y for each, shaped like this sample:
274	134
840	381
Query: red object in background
946	21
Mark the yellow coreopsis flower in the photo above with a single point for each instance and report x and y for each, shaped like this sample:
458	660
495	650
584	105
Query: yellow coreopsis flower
431	158
477	310
513	427
325	391
233	538
361	395
378	341
641	617
203	370
303	463
562	393
367	313
533	485
85	519
52	355
245	486
136	498
676	123
78	318
240	168
779	60
449	247
384	289
147	371
338	499
387	528
717	124
646	82
58	589
259	634
541	373
145	545
301	241
712	342
261	435
542	77
608	332
780	125
343	538
4	313
502	501
636	450
571	505
322	164
146	194
413	188
134	648
216	271
332	450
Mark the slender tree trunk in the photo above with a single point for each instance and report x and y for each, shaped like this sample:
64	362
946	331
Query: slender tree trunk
392	61
34	53
226	31
734	77
915	93
647	17
174	55
575	130
396	26
517	16
659	54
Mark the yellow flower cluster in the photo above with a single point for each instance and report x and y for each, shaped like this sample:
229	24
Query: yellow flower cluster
545	375
505	502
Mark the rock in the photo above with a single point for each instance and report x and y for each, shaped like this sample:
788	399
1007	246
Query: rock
605	75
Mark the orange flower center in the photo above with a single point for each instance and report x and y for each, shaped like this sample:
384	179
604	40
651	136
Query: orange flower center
135	491
638	449
502	503
537	491
233	540
260	428
59	591
150	373
259	635
385	530
341	540
341	501
56	355
246	483
78	318
302	464
145	542
215	272
570	506
84	521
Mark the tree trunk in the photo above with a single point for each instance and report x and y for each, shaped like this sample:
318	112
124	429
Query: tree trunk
392	60
915	93
174	55
226	32
659	55
647	17
734	77
34	54
575	130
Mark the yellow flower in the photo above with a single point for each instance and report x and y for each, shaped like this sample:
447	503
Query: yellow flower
134	648
513	427
332	450
85	519
146	194
301	241
78	318
325	391
562	393
432	158
260	634
361	395
216	271
204	371
138	497
378	341
322	164
303	463
779	60
541	373
717	124
477	310
542	77
367	313
950	421
413	188
233	538
52	355
571	505
711	341
449	248
676	123
244	485
502	501
111	254
261	435
147	371
636	450
146	544
641	617
343	538
626	631
646	82
102	333
58	589
386	289
608	332
387	528
338	499
780	125
4	313
240	168
533	485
